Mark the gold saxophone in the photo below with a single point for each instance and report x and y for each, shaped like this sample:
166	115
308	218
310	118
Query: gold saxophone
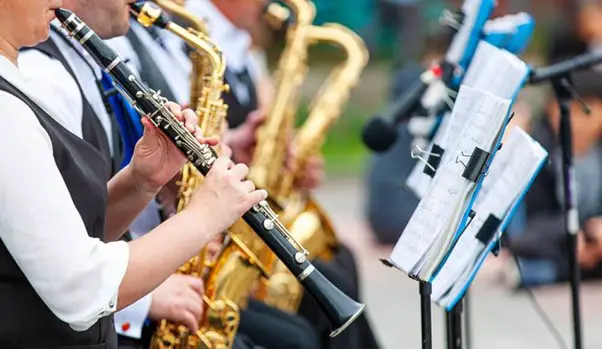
305	219
228	276
221	315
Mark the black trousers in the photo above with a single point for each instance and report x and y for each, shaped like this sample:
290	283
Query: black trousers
271	328
342	272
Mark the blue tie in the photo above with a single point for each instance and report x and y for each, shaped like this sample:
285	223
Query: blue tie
128	119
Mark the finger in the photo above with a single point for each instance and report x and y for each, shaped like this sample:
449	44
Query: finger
226	151
221	163
193	303
190	120
256	117
148	125
198	134
195	284
256	196
249	186
240	171
189	320
175	109
212	141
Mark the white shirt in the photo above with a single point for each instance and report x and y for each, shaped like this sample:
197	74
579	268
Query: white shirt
37	65
56	88
171	59
233	42
75	275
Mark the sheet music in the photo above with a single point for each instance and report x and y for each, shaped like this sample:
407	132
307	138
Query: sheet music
446	197
488	115
521	158
496	71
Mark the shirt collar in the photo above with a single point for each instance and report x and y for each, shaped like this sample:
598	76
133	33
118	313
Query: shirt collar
11	73
234	42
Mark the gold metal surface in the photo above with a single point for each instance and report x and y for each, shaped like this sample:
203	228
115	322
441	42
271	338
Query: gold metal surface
221	316
306	221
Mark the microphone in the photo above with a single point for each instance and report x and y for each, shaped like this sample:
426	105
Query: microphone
380	133
580	62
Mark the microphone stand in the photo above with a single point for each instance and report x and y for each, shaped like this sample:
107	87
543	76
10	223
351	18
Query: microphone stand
559	75
564	93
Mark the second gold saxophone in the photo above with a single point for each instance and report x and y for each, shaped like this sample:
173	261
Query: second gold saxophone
302	215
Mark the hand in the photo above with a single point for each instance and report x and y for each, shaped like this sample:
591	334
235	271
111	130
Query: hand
223	197
586	254
590	252
179	299
312	174
213	247
156	159
242	139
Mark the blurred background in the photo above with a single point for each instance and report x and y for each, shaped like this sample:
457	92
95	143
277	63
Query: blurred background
366	197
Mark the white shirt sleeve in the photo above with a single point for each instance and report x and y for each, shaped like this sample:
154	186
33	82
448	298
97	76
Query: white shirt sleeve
76	276
130	321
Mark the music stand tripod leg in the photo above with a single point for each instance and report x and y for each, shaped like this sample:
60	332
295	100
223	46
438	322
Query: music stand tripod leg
426	325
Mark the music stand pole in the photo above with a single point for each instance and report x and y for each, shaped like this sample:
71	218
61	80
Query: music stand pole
563	90
466	304
426	323
453	324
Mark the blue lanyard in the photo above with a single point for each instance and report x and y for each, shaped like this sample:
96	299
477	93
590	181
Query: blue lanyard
128	119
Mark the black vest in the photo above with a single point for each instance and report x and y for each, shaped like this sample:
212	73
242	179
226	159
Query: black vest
149	70
237	110
92	130
25	321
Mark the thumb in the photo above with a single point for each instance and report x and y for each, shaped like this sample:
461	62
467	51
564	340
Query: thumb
149	128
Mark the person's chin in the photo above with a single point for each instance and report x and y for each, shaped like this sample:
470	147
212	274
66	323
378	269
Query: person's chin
114	31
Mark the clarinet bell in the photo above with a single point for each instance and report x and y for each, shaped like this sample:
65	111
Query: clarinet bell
340	309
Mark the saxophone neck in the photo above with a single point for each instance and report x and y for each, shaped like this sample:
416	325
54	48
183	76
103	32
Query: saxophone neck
326	108
270	151
177	8
148	14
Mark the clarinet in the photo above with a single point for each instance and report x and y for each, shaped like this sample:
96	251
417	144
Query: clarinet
340	309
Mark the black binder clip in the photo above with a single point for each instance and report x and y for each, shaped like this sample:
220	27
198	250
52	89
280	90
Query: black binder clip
488	231
432	162
453	19
474	169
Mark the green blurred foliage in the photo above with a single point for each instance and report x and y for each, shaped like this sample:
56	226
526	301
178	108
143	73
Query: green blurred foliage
344	153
